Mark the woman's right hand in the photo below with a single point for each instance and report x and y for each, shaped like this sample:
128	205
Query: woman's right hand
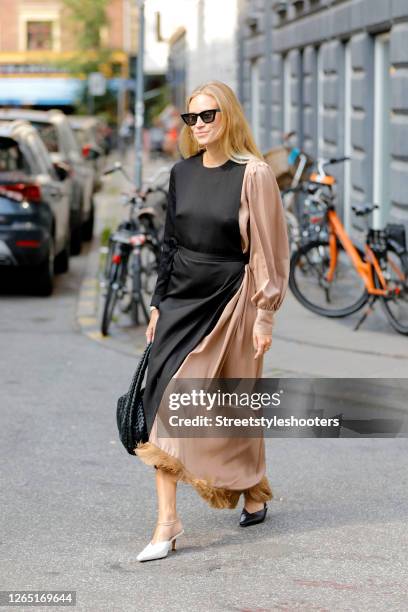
151	328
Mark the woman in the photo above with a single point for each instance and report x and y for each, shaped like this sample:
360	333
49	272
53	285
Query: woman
223	273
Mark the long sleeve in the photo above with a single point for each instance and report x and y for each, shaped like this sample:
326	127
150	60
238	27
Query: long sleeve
168	245
269	245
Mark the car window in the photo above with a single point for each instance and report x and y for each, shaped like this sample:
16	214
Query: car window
70	138
32	158
81	136
43	156
49	134
11	157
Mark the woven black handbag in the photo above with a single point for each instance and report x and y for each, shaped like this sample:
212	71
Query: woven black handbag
130	414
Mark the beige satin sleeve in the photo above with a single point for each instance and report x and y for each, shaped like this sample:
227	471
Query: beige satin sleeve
264	231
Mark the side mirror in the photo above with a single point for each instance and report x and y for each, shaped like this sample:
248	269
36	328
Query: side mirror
90	152
62	170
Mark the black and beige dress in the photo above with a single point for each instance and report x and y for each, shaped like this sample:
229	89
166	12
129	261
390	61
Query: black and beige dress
223	273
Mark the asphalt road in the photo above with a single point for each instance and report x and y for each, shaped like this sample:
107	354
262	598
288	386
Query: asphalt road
77	509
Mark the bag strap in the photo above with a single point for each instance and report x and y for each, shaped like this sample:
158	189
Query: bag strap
141	368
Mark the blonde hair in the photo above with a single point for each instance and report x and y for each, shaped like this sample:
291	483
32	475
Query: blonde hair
236	139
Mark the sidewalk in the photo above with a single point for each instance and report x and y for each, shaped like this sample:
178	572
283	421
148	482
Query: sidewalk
304	344
109	212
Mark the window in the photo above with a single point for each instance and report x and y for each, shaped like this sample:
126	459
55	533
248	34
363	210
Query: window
49	135
70	141
39	35
320	105
347	134
382	130
255	107
287	89
300	98
43	159
313	101
293	95
11	158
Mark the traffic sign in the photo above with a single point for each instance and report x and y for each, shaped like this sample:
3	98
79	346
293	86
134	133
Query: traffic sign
96	84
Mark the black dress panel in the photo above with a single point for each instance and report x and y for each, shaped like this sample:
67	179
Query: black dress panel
201	266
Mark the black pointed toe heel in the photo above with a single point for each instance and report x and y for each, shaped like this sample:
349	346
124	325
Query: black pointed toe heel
252	518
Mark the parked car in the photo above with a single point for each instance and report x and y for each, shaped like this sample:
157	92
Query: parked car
57	134
34	206
89	133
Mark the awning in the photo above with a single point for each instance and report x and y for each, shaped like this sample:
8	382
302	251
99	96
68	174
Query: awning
54	91
39	91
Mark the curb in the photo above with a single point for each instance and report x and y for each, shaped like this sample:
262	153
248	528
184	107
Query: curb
125	338
131	341
88	299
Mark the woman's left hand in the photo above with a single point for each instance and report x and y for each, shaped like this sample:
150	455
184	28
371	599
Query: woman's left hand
261	344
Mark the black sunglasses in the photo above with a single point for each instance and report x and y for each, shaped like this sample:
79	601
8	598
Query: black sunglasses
207	116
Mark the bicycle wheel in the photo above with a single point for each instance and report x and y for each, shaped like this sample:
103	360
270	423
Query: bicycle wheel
148	272
395	305
142	304
110	300
135	289
292	222
340	297
293	231
132	300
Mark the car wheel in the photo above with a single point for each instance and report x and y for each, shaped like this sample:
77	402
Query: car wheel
76	240
62	259
88	226
45	272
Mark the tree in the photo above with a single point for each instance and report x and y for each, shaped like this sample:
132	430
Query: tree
91	17
88	19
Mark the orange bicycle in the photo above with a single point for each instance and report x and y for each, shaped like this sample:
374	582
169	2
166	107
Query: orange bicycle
333	277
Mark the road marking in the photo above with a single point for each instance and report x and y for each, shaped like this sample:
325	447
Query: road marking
95	335
90	281
88	294
87	321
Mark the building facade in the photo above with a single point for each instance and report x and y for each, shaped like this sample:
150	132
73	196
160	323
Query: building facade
202	37
34	35
335	71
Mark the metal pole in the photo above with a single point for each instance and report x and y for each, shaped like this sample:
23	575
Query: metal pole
139	102
90	101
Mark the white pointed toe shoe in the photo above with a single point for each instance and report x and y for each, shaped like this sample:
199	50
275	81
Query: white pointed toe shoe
159	550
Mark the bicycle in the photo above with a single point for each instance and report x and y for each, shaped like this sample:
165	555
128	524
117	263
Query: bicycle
299	161
303	222
333	277
133	255
292	167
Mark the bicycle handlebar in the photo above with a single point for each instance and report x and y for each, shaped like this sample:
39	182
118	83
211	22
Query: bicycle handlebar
286	136
303	186
117	167
337	160
109	171
322	162
160	171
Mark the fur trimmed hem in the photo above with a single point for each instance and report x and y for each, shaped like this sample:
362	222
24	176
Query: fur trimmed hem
216	497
